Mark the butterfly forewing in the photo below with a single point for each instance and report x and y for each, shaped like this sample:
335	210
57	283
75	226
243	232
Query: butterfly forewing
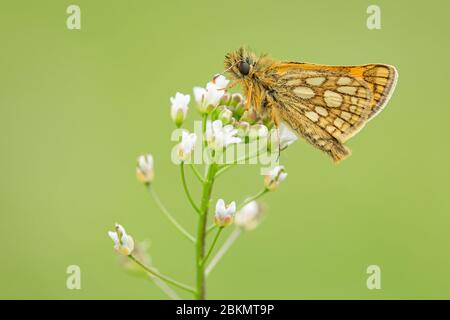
340	100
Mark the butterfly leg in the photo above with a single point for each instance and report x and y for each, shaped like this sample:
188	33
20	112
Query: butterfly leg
249	97
232	84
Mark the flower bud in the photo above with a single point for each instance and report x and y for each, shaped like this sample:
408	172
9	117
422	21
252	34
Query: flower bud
123	243
249	116
243	128
226	115
224	214
179	108
225	100
249	217
273	179
144	171
236	99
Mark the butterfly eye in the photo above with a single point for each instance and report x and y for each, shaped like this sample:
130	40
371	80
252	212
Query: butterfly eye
244	68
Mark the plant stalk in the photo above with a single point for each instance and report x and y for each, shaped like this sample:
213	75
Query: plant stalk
201	232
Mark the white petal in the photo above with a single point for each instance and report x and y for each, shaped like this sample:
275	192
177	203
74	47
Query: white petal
231	208
199	94
120	229
217	126
220	207
113	236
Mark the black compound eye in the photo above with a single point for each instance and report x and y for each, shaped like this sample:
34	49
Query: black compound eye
244	68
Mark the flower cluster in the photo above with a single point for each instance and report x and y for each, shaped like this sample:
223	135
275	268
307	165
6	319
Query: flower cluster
226	123
229	122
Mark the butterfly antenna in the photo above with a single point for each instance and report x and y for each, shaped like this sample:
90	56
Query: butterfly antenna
226	70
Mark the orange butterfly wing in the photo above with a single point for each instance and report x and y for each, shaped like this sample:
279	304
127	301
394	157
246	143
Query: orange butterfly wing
381	79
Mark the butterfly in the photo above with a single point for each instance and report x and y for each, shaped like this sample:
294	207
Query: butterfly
326	105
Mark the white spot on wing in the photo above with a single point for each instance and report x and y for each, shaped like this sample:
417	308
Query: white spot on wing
322	111
343	81
316	81
347	90
332	99
312	116
304	92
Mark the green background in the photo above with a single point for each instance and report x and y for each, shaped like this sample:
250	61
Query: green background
78	106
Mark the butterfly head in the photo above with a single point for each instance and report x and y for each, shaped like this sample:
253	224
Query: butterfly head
240	63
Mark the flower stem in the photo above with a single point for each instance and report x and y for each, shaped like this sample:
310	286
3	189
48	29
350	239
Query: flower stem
227	245
204	121
222	169
169	216
211	228
186	189
201	231
256	196
164	287
197	174
162	277
213	244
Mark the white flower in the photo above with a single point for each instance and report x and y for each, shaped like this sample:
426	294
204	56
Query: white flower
123	243
219	81
286	136
219	136
208	98
249	216
179	107
224	213
186	146
144	170
273	179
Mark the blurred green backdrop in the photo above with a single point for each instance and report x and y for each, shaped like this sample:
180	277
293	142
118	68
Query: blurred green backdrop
78	106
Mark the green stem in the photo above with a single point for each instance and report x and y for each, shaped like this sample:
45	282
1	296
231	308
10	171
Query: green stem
211	228
162	277
223	169
164	287
169	216
186	189
256	196
241	160
201	231
197	174
223	249
204	121
213	244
